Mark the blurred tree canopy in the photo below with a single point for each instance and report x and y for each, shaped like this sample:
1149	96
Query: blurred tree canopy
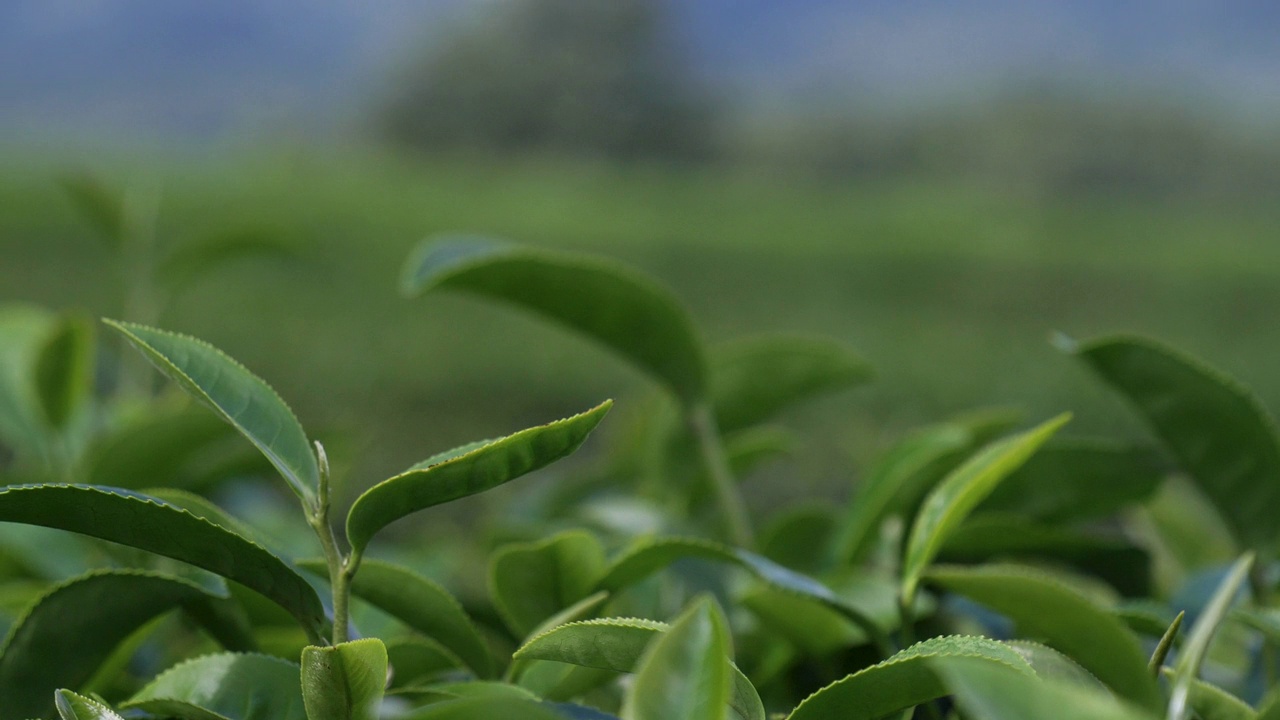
603	79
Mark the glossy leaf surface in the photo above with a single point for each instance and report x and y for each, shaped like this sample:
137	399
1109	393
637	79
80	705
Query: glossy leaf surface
990	692
466	471
684	673
628	312
344	682
77	707
238	396
234	686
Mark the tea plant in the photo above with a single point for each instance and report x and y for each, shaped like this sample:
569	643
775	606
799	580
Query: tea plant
979	571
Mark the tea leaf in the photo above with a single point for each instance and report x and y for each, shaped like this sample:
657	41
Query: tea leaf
1165	644
465	471
419	603
1210	702
616	306
344	682
684	672
230	686
238	396
752	380
73	628
64	371
1053	665
1201	635
905	680
1215	427
960	492
530	582
1064	618
77	707
486	708
149	524
990	692
413	659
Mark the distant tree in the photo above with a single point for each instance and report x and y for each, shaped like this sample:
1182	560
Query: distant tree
594	77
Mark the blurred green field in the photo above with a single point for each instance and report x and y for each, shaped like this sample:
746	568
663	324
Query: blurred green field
950	287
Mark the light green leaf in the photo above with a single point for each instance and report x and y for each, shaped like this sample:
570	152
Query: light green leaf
1201	635
466	471
237	396
948	504
72	628
990	692
225	686
1269	708
530	582
149	524
419	603
748	449
684	672
1210	702
76	707
1053	665
617	644
64	371
1215	427
101	207
616	306
1064	619
344	682
754	379
905	680
486	708
1165	644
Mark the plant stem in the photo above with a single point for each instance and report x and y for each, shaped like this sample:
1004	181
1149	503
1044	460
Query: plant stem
702	422
341	568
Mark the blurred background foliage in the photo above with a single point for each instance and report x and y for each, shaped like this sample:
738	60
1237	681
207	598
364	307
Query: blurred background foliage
940	188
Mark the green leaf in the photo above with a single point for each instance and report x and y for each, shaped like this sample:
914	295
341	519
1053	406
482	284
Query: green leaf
419	603
620	308
948	504
1053	665
76	707
896	482
467	470
793	534
905	680
101	208
990	692
64	371
684	672
754	379
486	708
1165	644
1072	480
416	659
189	262
238	396
1201	635
225	686
72	628
1065	619
1210	702
344	682
1269	708
1218	430
530	582
617	644
149	524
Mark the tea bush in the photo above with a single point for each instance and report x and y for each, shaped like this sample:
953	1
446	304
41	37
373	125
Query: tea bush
981	569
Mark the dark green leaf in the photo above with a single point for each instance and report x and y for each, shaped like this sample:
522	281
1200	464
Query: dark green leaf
466	471
684	673
1201	635
73	628
233	686
344	682
1218	430
794	534
101	208
612	304
148	524
64	371
235	394
530	582
752	380
414	660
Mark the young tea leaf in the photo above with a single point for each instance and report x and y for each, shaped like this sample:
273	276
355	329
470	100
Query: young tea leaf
235	394
77	707
236	686
466	471
1210	702
414	660
959	493
1206	625
626	311
1216	428
530	582
684	673
344	682
991	692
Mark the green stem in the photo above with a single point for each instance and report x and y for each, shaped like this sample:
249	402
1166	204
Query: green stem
341	568
702	421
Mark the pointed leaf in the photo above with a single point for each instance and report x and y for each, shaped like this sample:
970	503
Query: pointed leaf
991	692
1053	665
960	492
466	471
1201	635
1215	427
234	686
77	707
617	644
620	308
73	628
530	582
684	673
64	371
420	603
752	380
1210	702
1064	619
344	682
237	396
905	680
149	524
